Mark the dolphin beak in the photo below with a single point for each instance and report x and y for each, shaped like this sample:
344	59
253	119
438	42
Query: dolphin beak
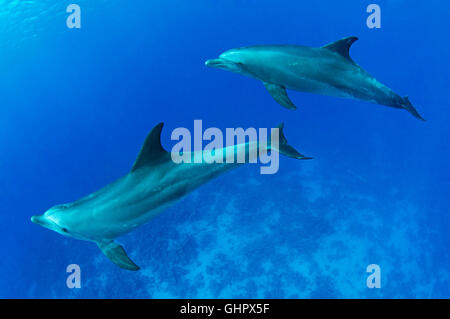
215	63
225	64
37	220
42	221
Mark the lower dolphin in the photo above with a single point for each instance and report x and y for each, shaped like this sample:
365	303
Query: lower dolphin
154	183
327	70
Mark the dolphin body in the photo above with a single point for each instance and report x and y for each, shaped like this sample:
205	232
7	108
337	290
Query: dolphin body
154	183
327	70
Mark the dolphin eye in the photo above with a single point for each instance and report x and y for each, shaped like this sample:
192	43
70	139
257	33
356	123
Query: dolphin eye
65	230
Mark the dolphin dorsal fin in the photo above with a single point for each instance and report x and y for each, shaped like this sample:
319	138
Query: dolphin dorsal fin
152	150
342	46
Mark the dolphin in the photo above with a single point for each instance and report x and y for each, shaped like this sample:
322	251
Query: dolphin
154	183
328	70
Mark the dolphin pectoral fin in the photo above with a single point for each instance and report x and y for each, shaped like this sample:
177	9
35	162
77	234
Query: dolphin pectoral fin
278	92
117	254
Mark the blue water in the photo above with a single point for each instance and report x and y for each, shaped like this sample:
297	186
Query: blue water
76	106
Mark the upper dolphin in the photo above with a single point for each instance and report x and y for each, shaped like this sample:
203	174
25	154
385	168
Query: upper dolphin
327	70
154	183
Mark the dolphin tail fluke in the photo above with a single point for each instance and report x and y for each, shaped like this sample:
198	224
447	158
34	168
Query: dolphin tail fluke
117	254
286	149
410	108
